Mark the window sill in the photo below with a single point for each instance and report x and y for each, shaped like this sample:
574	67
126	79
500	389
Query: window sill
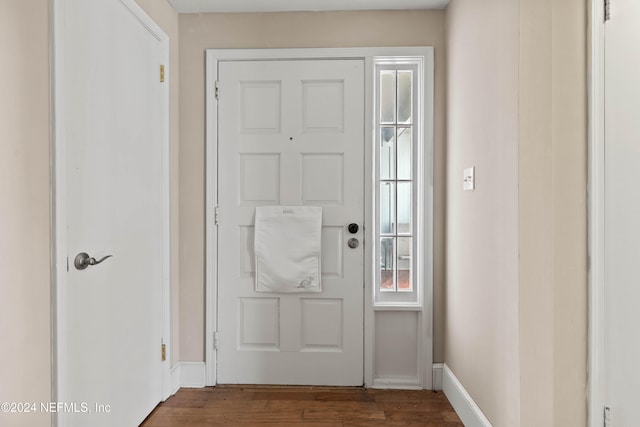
397	307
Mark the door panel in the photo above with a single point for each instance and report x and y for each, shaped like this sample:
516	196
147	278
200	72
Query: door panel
622	212
113	133
291	133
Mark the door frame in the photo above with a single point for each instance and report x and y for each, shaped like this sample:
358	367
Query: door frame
59	249
213	57
596	229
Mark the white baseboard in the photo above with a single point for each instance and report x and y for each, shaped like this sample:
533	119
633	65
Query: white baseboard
467	409
437	376
187	375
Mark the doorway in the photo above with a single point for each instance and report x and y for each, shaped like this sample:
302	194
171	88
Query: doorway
379	364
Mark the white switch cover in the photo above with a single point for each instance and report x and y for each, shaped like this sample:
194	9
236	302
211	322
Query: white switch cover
468	179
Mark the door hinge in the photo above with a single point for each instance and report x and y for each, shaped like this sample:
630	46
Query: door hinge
607	10
217	86
607	416
161	73
164	352
215	340
216	215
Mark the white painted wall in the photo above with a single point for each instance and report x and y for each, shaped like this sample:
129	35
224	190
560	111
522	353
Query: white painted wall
481	332
516	306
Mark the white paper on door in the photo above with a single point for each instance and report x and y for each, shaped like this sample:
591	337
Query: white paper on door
288	248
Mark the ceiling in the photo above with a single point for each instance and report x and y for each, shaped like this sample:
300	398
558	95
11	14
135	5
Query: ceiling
222	6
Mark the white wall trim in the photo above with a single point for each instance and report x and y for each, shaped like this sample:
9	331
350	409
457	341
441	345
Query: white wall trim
437	376
398	384
213	56
192	374
188	375
596	395
211	231
464	405
369	234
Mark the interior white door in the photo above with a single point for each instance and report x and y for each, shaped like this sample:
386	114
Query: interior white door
113	118
622	212
291	133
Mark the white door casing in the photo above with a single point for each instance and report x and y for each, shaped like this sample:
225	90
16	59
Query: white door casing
375	318
291	133
111	197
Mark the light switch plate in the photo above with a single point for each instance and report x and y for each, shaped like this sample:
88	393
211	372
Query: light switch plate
468	179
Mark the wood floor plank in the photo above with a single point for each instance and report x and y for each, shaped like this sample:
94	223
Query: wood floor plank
355	396
293	395
414	406
280	406
407	395
342	414
388	423
180	402
320	405
236	405
213	393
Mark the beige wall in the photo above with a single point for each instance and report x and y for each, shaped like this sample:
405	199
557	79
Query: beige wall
25	287
545	356
481	329
167	18
570	213
535	185
553	212
283	30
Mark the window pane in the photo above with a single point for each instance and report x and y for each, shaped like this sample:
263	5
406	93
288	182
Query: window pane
405	96
387	96
404	208
387	153
405	143
404	265
387	207
387	270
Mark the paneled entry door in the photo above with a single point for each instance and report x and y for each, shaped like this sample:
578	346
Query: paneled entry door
291	133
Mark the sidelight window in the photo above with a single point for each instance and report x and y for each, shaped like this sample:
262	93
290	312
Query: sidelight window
397	136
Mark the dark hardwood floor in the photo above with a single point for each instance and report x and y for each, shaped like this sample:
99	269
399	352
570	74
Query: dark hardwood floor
267	406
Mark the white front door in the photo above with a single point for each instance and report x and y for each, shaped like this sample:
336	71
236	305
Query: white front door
291	133
622	213
111	313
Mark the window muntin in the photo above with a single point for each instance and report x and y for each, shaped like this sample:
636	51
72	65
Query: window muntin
397	133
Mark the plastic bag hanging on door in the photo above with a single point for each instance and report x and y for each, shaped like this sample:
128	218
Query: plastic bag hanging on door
288	247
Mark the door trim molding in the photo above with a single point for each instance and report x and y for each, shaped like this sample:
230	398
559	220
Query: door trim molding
213	57
596	230
58	200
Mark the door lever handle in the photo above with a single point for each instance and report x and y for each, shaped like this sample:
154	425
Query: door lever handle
83	260
92	260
